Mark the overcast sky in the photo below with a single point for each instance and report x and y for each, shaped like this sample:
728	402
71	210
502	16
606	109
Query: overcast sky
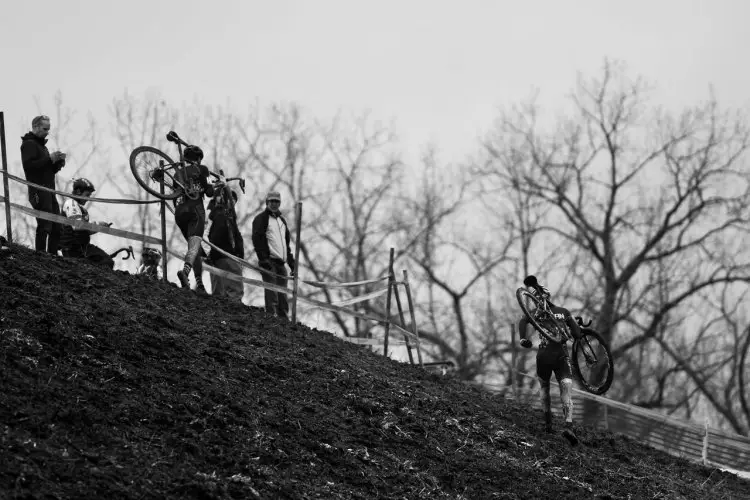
439	68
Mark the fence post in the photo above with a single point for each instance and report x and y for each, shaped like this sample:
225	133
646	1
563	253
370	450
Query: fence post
513	359
403	321
705	443
388	305
296	263
163	227
6	188
413	316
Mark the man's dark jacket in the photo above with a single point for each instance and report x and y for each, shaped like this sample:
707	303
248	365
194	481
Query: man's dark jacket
37	164
224	221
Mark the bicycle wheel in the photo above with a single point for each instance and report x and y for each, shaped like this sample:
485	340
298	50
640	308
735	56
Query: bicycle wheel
144	163
592	362
545	324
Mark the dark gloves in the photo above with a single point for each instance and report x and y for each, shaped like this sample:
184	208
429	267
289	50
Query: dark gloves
525	343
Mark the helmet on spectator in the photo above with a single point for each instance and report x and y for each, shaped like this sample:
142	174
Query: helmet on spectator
81	185
193	154
151	255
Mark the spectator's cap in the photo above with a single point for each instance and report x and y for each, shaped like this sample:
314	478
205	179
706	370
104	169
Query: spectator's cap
273	195
39	119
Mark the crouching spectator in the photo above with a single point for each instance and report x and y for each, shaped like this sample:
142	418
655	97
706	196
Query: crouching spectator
77	242
150	260
225	234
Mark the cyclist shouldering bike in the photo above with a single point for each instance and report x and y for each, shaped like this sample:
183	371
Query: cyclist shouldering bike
190	214
592	362
186	182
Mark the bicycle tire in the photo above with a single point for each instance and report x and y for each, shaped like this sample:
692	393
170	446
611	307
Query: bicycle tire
579	347
556	334
146	181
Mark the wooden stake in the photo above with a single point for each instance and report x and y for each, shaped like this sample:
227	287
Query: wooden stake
6	188
163	228
296	264
413	316
705	443
513	359
403	321
388	305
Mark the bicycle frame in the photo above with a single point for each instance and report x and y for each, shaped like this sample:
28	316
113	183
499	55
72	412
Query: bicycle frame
546	309
179	165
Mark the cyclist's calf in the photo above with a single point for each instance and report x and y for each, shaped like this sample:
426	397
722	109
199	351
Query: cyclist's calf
566	395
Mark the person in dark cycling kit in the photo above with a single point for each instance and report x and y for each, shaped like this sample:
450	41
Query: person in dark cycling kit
77	242
190	215
554	358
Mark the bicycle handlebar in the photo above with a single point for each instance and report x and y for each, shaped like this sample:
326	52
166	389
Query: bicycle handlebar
221	177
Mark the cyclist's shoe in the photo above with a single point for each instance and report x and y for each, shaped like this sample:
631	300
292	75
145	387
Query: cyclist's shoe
184	281
200	289
525	343
548	421
569	434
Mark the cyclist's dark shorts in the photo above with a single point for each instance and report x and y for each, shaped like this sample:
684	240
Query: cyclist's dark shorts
191	220
553	358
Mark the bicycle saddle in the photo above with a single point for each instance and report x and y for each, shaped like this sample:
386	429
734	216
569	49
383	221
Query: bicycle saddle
173	137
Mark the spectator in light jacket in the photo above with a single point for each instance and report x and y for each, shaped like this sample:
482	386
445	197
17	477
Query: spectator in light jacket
271	239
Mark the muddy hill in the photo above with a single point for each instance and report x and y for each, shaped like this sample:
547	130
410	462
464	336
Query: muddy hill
115	387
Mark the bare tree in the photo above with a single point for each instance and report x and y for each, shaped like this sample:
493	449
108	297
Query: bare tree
633	188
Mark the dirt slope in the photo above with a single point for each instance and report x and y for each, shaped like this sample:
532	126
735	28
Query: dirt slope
116	387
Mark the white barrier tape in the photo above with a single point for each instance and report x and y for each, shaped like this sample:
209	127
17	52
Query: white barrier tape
362	298
79	224
75	196
322	284
245	263
312	283
318	303
361	341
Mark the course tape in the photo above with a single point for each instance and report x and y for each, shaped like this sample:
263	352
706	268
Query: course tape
363	341
323	305
75	196
322	284
362	298
79	224
312	283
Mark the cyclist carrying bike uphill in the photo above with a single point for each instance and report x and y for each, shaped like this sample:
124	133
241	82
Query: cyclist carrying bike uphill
190	215
554	358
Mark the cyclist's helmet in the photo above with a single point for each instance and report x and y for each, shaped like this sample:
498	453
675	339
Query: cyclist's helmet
193	154
81	185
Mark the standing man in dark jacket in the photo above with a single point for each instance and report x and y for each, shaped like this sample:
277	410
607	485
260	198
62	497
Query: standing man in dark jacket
225	234
40	167
271	239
